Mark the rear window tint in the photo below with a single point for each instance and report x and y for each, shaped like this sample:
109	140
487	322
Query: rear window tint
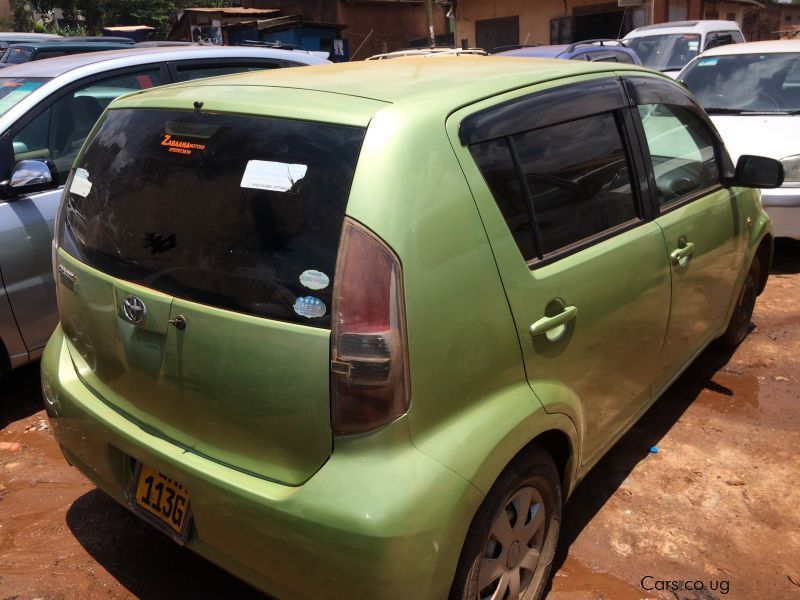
15	56
239	212
573	190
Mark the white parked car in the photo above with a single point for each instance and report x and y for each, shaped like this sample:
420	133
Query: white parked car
752	93
47	108
667	47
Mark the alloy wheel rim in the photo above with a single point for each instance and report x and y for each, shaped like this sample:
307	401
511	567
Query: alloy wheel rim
512	552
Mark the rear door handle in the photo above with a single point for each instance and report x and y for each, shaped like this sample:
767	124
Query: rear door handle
681	256
554	327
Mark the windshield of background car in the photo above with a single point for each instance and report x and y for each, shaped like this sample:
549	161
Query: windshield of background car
14	90
238	212
744	83
666	52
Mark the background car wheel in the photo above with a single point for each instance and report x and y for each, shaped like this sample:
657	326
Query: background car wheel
510	545
743	312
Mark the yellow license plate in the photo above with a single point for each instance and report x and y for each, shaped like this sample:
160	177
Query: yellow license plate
162	498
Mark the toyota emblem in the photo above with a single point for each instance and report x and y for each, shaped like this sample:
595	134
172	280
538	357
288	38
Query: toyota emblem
134	310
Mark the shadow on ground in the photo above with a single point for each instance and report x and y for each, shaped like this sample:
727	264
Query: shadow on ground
787	257
20	395
147	563
604	479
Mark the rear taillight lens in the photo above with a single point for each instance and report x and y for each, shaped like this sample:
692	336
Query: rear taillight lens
369	363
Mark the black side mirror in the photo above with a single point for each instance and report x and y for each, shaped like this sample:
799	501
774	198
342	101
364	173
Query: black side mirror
30	176
758	172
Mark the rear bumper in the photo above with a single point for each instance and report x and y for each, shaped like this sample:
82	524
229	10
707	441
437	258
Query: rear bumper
783	207
379	520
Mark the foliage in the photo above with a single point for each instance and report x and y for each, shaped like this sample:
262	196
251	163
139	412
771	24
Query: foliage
160	14
78	30
23	20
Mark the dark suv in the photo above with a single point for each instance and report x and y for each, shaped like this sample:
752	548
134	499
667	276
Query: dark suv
21	53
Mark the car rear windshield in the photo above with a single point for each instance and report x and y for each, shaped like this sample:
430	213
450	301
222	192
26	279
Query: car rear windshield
12	90
239	212
767	82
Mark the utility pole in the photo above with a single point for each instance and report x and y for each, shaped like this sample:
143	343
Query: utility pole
429	14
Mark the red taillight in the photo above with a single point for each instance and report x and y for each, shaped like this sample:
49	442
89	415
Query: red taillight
369	372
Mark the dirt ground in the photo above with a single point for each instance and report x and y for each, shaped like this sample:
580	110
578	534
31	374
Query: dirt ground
716	507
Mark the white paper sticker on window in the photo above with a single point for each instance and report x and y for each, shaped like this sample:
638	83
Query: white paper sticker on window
80	183
273	176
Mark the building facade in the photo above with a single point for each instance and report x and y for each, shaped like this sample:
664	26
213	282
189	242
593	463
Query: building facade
496	23
6	16
371	26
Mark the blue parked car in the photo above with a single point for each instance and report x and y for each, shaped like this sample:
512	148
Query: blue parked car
592	50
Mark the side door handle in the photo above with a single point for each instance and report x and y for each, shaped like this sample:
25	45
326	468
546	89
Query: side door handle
554	327
680	257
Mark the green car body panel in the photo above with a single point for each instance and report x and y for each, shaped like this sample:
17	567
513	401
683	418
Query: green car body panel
237	407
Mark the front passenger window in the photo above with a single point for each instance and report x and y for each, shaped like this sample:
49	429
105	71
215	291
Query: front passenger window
682	150
58	133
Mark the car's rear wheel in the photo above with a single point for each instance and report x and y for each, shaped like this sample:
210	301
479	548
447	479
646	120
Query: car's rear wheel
510	546
743	311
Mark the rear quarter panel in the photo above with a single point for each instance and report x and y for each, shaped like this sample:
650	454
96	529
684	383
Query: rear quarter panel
472	408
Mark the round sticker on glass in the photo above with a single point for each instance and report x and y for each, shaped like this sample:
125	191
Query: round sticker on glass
314	280
309	307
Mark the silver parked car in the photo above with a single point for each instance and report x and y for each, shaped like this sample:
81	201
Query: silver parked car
47	108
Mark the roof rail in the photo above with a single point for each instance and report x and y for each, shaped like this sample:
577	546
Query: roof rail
497	49
427	52
263	44
600	41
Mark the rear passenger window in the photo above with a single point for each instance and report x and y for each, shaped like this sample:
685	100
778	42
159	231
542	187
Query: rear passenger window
188	73
603	58
494	161
623	58
576	183
682	151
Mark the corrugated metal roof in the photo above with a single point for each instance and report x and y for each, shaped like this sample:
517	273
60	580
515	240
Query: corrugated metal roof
130	28
235	11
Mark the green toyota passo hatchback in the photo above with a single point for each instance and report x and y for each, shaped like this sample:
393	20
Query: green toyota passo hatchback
358	331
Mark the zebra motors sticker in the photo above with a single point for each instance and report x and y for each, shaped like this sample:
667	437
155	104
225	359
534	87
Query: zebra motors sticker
310	307
180	146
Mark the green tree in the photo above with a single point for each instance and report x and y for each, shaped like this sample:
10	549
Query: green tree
159	14
21	13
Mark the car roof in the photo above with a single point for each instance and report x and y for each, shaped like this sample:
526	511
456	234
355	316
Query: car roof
768	47
683	27
427	86
23	36
555	50
59	45
107	60
536	51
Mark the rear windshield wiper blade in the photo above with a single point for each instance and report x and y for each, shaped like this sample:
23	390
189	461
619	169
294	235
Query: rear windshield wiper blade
739	111
715	110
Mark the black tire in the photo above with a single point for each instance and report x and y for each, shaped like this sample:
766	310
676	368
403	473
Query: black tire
743	311
536	471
